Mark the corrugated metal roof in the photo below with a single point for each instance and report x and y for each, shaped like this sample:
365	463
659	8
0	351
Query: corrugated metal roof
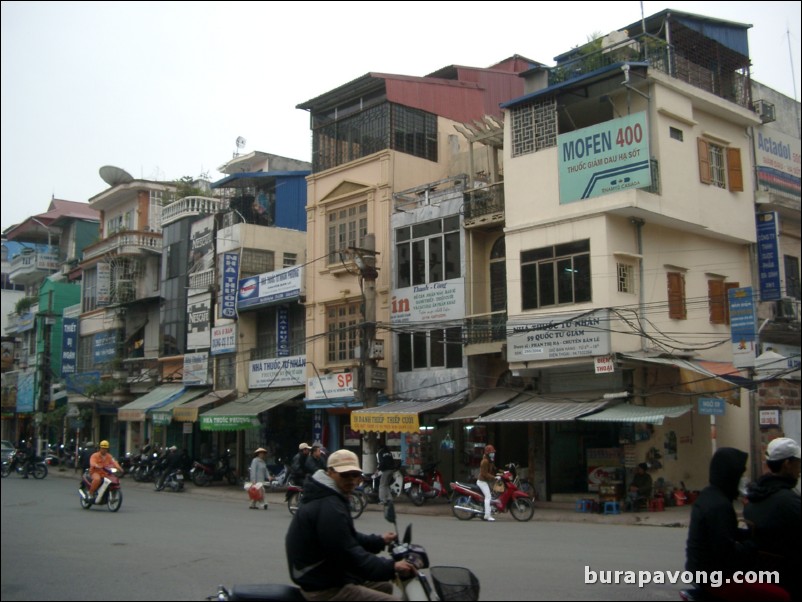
545	409
413	407
626	412
135	411
483	404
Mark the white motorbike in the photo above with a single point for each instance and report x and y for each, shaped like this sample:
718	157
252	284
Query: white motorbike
439	583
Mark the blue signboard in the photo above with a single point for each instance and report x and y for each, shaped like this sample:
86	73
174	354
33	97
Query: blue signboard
228	307
604	158
81	381
743	326
25	392
69	346
104	348
283	342
768	262
711	406
270	288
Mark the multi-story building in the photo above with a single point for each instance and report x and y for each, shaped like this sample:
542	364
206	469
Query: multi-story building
373	137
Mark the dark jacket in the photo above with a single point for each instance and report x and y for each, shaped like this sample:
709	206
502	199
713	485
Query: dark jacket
715	543
386	459
313	464
324	550
298	468
775	510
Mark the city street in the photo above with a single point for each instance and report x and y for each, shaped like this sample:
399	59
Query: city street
168	546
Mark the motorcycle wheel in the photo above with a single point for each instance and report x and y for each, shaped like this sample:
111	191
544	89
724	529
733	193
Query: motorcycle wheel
415	495
39	471
115	500
85	503
462	500
6	470
200	479
293	501
357	504
522	508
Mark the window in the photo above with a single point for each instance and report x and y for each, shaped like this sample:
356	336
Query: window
498	276
720	166
254	262
225	374
287	320
676	296
89	290
290	259
428	252
425	350
347	227
718	300
626	278
555	275
675	133
792	276
342	325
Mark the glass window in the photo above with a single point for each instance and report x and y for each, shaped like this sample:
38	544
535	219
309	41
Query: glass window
428	252
556	275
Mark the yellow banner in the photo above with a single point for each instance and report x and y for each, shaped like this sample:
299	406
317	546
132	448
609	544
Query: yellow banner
384	423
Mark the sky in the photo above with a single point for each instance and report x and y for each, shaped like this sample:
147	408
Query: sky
164	89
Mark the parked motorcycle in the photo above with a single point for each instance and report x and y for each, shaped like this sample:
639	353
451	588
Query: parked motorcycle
37	468
369	488
469	501
295	496
206	471
144	468
108	493
439	583
174	481
428	484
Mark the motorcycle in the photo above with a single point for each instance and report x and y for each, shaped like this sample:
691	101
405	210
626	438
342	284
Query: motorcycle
174	481
369	488
427	485
143	469
295	496
206	471
37	467
439	583
469	501
108	493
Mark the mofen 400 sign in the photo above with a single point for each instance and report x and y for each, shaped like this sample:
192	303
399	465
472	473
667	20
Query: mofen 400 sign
604	158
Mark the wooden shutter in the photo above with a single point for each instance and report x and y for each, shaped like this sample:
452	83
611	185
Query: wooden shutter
705	169
735	176
717	301
676	296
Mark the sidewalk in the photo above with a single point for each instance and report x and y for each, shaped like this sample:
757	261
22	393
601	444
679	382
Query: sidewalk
677	516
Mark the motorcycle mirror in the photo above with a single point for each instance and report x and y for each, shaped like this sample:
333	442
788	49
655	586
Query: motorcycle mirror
408	534
389	511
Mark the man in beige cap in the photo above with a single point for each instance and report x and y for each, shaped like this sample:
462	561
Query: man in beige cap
774	513
298	464
328	558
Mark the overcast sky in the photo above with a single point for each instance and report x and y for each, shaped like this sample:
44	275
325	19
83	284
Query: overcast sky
163	89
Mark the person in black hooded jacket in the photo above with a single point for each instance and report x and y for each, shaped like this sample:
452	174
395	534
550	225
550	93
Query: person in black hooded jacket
716	547
775	513
327	557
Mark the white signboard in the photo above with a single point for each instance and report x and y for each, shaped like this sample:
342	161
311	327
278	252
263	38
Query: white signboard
196	368
103	284
330	386
604	364
199	309
429	302
277	372
559	337
224	339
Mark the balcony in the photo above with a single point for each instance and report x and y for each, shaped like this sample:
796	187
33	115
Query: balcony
201	281
484	207
126	243
481	329
32	266
191	206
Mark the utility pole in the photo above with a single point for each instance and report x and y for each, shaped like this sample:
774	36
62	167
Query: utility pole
369	373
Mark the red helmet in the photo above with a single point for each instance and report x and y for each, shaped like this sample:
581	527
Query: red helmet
489	449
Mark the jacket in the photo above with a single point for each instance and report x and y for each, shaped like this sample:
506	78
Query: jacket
324	549
715	543
258	471
775	510
385	459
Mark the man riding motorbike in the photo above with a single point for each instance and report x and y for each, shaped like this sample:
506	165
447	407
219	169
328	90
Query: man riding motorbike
98	463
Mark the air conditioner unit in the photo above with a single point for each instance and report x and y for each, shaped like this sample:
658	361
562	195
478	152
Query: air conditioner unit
764	110
787	310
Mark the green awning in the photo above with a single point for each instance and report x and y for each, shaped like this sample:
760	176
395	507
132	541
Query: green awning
164	414
243	413
626	412
136	410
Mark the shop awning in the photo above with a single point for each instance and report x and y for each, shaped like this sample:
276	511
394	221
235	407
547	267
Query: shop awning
137	409
626	412
399	416
164	414
188	412
243	413
553	408
483	404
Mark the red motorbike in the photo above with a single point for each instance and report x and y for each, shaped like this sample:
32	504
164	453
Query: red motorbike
469	501
108	493
426	485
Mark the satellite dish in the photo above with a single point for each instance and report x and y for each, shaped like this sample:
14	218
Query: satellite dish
240	142
113	176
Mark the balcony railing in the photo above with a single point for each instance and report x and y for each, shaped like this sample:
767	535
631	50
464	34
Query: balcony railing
486	328
126	243
190	206
201	280
483	206
30	265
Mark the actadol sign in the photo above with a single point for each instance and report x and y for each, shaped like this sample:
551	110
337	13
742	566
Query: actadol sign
604	158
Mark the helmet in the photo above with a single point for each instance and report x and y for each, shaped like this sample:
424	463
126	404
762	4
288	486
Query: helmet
105	444
489	449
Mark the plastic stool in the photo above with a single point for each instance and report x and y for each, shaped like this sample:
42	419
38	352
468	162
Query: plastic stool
612	508
656	505
584	505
